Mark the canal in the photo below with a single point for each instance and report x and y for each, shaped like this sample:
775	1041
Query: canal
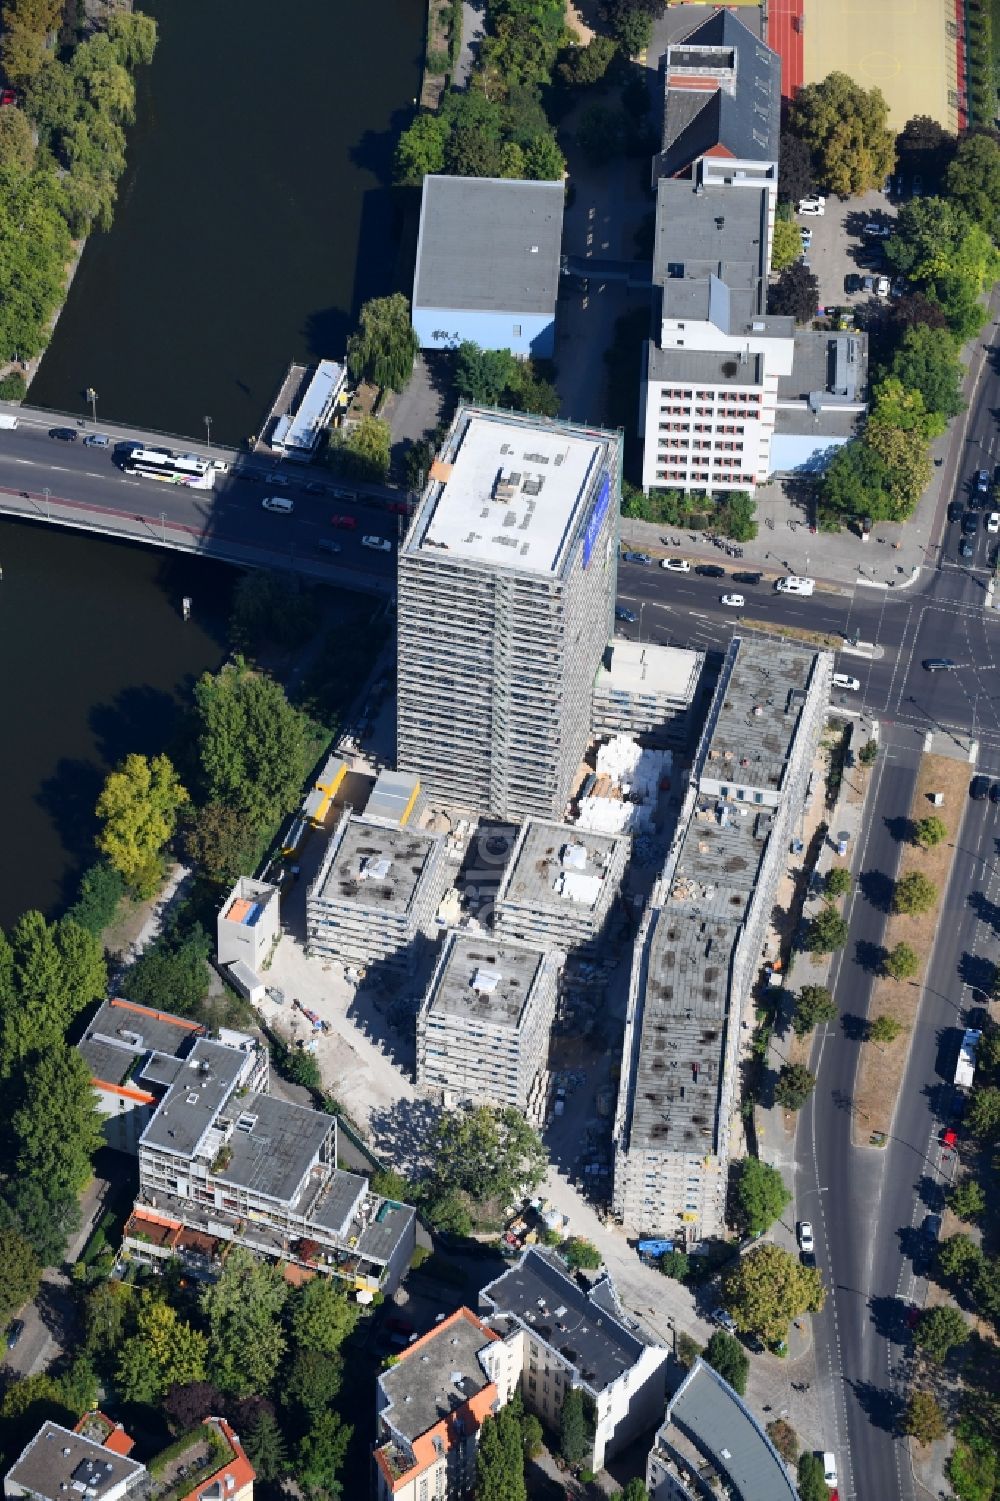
254	216
96	662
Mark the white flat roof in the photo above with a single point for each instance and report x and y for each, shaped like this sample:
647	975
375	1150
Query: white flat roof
526	523
647	668
315	406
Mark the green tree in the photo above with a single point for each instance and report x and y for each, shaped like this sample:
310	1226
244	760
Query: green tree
445	1209
785	1439
488	1153
811	1482
322	1316
581	1254
730	1359
983	1114
675	1264
959	1259
973	180
543	159
173	974
252	744
133	37
218	841
827	931
902	407
635	1490
923	1419
837	882
846	130
900	963
972	1466
532	1435
363	451
138	808
320	1456
632	28
794	1085
576	1436
600	134
883	1028
101	891
46	1218
940	1330
930	831
20	1274
580	67
927	361
242	1309
383	347
906	470
967	1199
853	482
787	244
500	1458
420	150
265	1444
767	1288
737	516
57	1129
105	1312
813	1005
389	1184
17	142
761	1194
312	1382
165	1351
484	376
868	754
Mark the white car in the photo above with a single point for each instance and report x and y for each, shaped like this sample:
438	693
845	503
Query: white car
794	585
278	503
805	1233
676	565
844	680
830	1468
735	600
815	206
377	544
993	521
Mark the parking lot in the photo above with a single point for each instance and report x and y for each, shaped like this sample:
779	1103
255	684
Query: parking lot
839	248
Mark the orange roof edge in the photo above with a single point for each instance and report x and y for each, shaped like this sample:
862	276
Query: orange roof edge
463	1313
162	1016
239	1467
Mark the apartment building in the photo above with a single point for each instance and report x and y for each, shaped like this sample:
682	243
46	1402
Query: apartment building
700	945
562	1336
505	605
58	1461
649	692
431	1405
376	891
116	1042
559	885
483	1026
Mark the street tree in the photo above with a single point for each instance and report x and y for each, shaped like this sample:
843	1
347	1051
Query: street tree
795	294
580	1254
57	1129
796	175
813	1005
761	1194
312	1382
20	1273
242	1308
902	407
138	809
500	1458
165	1351
927	361
364	451
967	1199
252	744
959	1259
837	882
322	1316
785	1439
787	244
868	754
794	1085
846	130
930	831
827	931
923	1419
983	1114
575	1431
383	347
811	1480
973	180
46	1217
736	516
940	1330
767	1288
729	1358
488	1153
906	469
883	1029
900	963
320	1457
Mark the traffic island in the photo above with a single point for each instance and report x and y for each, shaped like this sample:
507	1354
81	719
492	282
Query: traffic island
907	946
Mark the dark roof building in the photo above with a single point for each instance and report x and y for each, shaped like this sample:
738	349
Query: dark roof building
58	1461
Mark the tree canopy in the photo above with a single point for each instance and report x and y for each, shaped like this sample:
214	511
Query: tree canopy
383	346
901	963
49	973
138	808
939	1330
252	744
57	1129
761	1194
500	1458
813	1005
246	1337
767	1288
495	377
914	894
846	130
973	180
488	1153
794	1085
787	244
795	294
576	1435
727	1356
20	1273
164	1351
827	931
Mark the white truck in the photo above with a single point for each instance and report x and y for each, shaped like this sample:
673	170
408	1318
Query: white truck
7	421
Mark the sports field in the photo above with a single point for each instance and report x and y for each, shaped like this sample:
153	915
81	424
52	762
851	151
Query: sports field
903	46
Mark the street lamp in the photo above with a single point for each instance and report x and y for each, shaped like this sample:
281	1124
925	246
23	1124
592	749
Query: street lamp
641	608
208	431
92	398
46	492
163	527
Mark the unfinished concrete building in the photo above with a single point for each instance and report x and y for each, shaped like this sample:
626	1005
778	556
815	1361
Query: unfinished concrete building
559	884
506	598
377	889
700	946
483	1026
648	691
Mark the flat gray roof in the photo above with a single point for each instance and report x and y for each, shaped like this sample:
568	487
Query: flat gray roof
559	867
375	866
192	1103
436	1374
711	1415
833	365
700	228
758	717
509	492
720	368
394	794
545	1301
120	1033
489	244
643	669
379	1239
480	980
274	1145
58	1461
340	1201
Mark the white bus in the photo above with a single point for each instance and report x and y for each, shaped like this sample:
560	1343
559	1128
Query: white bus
173	468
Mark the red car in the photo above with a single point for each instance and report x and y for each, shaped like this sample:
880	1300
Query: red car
347	522
399	507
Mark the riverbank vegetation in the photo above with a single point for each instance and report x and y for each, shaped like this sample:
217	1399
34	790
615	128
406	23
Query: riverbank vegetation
62	151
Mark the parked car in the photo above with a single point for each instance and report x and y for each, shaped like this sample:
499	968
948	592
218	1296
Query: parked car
622	613
348	523
814	206
995	793
795	585
278	503
966	549
917	185
931	1227
710	571
315	488
993	523
14	1331
852	282
636	557
844	680
830	1468
979	790
804	1231
735	601
969	523
982	481
327	544
96	440
676	565
724	1319
274	478
64	434
955	510
747	578
876	231
377	544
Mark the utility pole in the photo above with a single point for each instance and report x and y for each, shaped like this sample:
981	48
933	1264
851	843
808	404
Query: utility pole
92	398
163	527
208	433
46	492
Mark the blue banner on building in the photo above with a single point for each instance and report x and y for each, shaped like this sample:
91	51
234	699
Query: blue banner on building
597	517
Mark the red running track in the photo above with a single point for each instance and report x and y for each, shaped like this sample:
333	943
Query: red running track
785	36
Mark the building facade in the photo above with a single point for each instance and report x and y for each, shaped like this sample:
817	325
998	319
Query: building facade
648	691
505	605
483	1026
249	924
700	945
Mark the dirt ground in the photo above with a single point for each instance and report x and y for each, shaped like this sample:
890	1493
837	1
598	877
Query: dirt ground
882	1064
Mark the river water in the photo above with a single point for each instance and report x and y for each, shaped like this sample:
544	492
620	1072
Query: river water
253	220
254	216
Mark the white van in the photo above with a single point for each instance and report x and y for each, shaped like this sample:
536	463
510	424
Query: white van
794	585
7	422
278	503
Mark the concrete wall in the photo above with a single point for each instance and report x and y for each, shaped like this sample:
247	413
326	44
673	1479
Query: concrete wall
523	334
